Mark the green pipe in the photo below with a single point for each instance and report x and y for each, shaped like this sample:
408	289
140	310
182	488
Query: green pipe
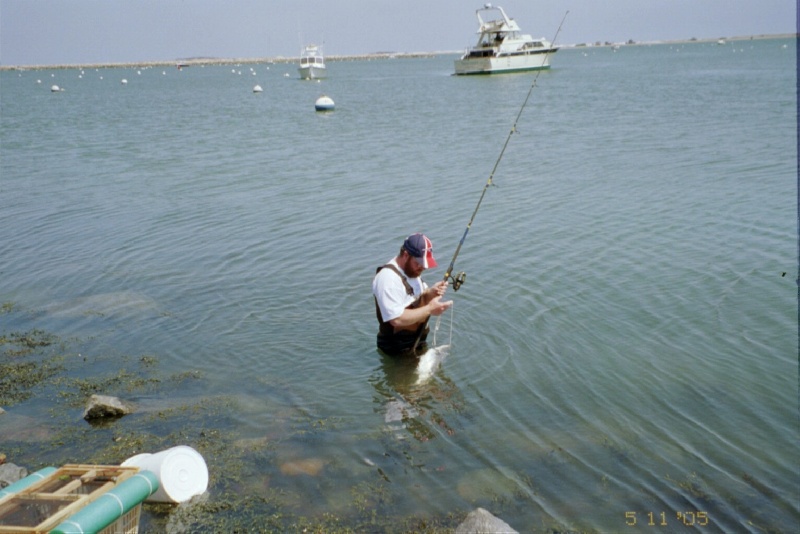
23	483
110	506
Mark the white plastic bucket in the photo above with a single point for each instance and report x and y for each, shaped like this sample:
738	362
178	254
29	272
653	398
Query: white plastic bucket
181	472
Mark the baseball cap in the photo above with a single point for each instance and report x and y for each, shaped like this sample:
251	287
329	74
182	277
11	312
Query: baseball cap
421	248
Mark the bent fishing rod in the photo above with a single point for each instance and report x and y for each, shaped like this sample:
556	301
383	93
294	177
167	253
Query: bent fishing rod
461	277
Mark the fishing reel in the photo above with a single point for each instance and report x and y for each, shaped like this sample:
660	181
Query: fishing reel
458	279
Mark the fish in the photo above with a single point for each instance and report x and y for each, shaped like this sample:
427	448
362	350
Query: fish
430	362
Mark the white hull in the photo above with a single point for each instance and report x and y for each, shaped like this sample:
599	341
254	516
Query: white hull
502	47
497	65
312	64
312	73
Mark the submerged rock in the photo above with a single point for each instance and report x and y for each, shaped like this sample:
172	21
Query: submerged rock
104	407
481	521
17	427
307	466
118	304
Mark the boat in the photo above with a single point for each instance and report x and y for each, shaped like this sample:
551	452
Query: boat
502	47
312	64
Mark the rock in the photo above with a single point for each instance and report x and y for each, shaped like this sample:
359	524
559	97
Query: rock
481	521
23	428
104	406
306	466
10	473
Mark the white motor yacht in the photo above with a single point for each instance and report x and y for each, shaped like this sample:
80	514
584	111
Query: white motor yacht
312	64
502	47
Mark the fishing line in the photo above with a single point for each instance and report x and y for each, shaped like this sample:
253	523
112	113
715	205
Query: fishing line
461	277
436	327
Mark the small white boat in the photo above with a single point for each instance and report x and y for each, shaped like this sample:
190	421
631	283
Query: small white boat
502	47
312	64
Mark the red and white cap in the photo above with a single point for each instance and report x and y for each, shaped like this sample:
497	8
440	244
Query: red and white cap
421	249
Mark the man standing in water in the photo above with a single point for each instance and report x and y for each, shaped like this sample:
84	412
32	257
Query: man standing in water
403	302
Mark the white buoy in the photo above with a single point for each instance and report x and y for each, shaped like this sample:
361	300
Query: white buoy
324	103
124	81
55	88
257	89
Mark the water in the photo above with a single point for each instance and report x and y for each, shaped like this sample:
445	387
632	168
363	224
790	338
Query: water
624	348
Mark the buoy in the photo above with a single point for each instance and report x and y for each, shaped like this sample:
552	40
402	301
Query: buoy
257	89
124	81
324	103
55	89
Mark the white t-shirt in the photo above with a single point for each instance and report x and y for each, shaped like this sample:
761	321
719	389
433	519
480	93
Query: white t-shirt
391	294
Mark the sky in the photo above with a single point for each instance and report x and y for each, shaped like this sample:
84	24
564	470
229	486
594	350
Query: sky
56	32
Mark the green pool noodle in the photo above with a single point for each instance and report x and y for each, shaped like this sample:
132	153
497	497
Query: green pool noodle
110	506
23	483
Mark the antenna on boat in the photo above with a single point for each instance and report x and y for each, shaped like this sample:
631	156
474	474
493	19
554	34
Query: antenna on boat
461	277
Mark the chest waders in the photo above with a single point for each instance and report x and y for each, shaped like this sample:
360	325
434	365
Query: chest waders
402	342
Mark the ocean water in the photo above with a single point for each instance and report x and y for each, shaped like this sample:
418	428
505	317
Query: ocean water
623	356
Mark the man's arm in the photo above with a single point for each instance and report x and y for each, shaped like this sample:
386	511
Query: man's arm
411	317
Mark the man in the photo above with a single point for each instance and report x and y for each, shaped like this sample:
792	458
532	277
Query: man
403	302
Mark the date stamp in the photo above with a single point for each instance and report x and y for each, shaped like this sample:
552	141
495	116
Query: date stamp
664	519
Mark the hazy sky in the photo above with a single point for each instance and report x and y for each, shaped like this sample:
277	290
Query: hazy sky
47	32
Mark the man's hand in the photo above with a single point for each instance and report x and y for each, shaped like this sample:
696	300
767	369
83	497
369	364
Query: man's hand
436	290
436	306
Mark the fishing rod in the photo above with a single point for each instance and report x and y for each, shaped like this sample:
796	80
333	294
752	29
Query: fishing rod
461	277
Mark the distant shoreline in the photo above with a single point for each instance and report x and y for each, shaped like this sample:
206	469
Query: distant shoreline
361	57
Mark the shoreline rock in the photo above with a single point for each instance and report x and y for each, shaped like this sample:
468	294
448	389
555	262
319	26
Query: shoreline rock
483	522
10	473
105	407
